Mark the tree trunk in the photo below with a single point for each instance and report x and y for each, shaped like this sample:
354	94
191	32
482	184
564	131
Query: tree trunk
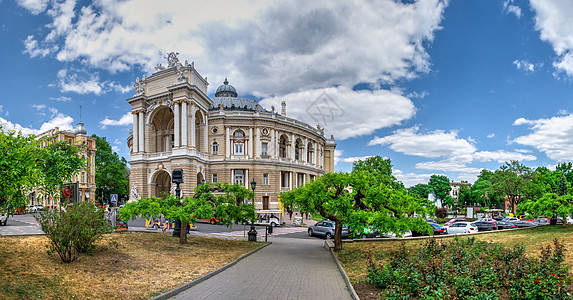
183	233
337	236
564	221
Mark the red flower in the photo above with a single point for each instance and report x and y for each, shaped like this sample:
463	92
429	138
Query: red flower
553	274
536	281
517	279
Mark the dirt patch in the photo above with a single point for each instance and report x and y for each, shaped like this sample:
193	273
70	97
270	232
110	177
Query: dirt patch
123	266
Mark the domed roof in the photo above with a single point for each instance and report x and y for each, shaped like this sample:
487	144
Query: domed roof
226	90
81	130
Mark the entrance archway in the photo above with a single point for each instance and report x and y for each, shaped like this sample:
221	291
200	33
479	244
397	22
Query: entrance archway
200	178
162	182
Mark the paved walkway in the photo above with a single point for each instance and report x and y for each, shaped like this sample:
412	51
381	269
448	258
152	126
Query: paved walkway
289	268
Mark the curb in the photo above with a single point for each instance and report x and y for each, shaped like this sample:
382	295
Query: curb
186	286
346	279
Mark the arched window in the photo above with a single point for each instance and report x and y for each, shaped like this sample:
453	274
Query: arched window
296	151
238	143
215	148
282	147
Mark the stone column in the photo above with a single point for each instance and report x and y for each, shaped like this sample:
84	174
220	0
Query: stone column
206	137
292	143
135	132
251	142
290	181
184	123
193	121
141	125
258	145
177	124
246	182
316	151
227	142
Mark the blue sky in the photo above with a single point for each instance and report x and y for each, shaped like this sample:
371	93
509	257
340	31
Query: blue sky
439	87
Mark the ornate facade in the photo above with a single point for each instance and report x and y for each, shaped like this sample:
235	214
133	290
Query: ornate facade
85	178
223	139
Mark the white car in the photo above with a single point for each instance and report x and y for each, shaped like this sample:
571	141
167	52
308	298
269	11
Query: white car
3	218
462	227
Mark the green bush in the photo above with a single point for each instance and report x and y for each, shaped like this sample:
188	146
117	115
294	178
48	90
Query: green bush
73	230
470	269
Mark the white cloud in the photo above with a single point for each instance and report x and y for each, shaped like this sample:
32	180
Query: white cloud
491	135
551	19
61	99
553	136
526	66
420	95
39	106
411	179
433	144
338	108
126	119
33	49
266	48
502	156
83	83
115	148
59	120
509	8
34	6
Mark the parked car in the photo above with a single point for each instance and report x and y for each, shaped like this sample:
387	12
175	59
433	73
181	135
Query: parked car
510	219
462	227
504	225
431	221
542	221
569	220
484	225
436	228
368	233
3	218
34	208
326	229
454	220
268	220
498	218
522	224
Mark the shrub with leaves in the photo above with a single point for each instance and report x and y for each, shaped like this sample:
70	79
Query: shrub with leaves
73	230
470	269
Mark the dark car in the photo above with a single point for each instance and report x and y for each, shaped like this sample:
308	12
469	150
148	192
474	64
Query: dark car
524	224
498	218
505	225
484	225
436	228
326	229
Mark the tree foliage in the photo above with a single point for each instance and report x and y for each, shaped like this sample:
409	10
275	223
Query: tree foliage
228	203
111	171
511	181
58	161
440	185
18	168
421	190
369	196
550	205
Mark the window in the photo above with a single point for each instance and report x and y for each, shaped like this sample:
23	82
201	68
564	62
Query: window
83	177
239	148
239	176
80	195
214	178
266	179
264	147
215	148
296	151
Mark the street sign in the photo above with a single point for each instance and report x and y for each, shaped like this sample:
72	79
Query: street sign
113	198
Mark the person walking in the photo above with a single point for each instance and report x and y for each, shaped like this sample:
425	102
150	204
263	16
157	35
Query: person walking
165	226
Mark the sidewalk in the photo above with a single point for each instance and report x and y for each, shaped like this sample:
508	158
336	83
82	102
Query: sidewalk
289	268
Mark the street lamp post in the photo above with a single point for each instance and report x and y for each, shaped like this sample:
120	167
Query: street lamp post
253	232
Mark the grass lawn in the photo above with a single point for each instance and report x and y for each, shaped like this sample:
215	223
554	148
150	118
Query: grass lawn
123	266
354	262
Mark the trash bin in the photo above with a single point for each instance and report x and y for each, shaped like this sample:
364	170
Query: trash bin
252	234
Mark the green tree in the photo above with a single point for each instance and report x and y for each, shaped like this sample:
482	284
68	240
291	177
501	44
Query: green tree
511	181
369	196
567	170
550	205
225	202
465	195
440	185
18	169
111	171
421	190
58	161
